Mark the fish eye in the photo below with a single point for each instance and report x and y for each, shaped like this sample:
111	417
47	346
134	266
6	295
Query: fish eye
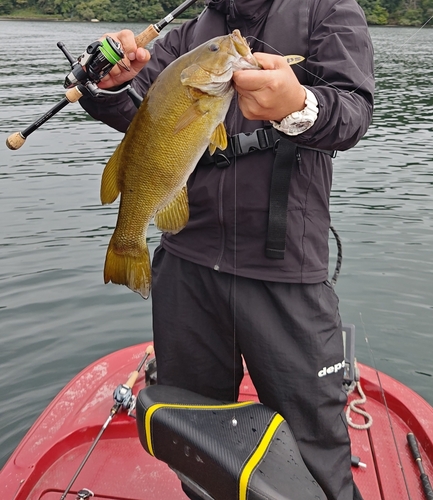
213	47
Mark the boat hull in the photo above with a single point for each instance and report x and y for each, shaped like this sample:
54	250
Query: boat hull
49	455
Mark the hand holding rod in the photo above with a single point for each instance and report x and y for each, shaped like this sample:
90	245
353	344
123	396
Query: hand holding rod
154	30
17	139
413	445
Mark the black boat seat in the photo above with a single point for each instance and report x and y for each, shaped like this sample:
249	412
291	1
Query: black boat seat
224	451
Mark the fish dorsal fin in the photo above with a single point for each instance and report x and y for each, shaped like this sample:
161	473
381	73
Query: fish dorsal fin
218	139
109	183
192	114
174	216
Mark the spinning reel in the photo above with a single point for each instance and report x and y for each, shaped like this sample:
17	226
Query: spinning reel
89	69
96	62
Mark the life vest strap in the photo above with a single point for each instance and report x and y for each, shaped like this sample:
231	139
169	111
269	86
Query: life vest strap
244	143
286	154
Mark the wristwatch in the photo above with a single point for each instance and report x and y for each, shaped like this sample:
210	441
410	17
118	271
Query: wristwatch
300	121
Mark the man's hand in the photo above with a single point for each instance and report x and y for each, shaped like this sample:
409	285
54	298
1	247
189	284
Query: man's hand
271	93
135	59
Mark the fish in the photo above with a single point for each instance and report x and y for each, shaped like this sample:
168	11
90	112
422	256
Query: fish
180	117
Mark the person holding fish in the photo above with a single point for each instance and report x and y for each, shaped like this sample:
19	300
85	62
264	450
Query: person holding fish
239	183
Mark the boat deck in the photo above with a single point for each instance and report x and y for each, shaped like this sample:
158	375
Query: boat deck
119	469
391	471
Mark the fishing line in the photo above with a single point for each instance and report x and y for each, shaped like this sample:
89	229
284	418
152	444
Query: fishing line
330	84
386	407
416	32
235	261
401	45
297	64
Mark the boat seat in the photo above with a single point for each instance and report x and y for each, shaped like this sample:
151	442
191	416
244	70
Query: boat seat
224	451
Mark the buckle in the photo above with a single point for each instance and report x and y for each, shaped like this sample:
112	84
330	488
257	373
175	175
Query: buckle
221	160
244	143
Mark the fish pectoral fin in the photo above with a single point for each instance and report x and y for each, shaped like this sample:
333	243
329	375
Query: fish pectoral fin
218	139
174	216
192	114
109	183
293	59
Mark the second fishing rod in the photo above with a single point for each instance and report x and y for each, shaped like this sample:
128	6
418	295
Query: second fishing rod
89	69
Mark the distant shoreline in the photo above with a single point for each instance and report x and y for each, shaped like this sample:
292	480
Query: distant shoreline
10	18
60	19
174	21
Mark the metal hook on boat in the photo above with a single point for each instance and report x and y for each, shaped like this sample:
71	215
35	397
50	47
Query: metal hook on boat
84	494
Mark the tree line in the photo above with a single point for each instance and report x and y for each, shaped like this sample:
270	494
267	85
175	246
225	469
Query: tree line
378	12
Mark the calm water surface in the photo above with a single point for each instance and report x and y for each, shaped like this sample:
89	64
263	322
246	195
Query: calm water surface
56	315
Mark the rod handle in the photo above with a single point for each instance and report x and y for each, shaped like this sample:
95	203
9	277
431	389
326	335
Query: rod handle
134	375
427	486
413	445
73	94
15	141
132	379
146	36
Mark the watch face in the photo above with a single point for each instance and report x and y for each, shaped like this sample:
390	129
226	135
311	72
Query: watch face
298	127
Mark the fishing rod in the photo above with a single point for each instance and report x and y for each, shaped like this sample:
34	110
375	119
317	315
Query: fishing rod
123	399
87	71
413	445
385	402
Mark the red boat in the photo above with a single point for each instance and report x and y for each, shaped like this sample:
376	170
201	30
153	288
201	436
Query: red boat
119	468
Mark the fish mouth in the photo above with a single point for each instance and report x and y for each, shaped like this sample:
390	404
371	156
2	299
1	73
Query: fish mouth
247	59
240	56
213	73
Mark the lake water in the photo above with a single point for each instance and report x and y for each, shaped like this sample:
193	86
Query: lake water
56	314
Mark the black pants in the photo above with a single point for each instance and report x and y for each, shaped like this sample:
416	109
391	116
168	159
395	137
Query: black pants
290	337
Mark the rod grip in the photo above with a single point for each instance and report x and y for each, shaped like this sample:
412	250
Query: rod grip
146	36
15	141
413	445
73	94
427	486
132	379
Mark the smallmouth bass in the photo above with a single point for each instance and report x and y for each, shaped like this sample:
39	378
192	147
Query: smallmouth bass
181	115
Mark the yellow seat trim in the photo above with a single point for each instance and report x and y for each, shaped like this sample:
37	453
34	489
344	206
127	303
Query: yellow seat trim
258	454
154	408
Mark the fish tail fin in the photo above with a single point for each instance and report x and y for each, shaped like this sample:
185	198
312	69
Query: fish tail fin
132	269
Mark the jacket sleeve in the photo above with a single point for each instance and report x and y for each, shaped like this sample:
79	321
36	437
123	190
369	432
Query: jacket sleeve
340	74
118	110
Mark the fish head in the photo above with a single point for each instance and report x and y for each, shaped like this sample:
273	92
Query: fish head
214	62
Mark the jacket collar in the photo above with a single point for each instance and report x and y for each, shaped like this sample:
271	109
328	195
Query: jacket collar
251	11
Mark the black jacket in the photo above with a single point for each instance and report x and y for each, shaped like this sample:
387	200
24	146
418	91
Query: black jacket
229	207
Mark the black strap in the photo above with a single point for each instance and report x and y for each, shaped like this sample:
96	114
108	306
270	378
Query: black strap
285	160
242	144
